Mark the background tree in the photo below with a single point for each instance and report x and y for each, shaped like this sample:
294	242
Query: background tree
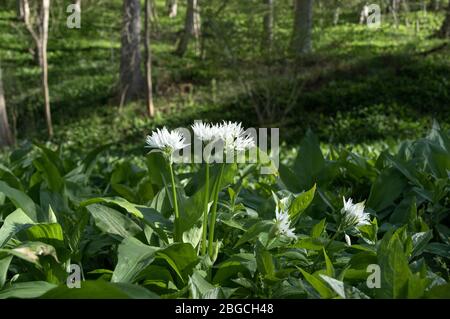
303	19
191	27
131	79
37	26
172	8
6	138
267	41
148	60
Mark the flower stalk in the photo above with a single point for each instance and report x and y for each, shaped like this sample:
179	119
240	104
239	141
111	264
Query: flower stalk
214	212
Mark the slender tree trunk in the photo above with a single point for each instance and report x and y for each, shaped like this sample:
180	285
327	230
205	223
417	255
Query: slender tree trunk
172	8
20	10
44	40
267	41
445	29
303	20
148	60
191	27
6	138
41	39
131	79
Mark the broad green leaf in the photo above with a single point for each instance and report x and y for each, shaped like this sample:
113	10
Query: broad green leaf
318	228
242	262
20	200
395	271
439	249
336	285
301	203
14	223
121	202
100	289
133	257
51	234
5	260
254	231
309	162
113	222
317	284
181	257
264	260
420	241
387	187
26	290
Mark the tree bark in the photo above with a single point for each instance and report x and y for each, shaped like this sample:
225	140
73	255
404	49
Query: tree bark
148	60
267	41
303	19
40	38
172	8
191	27
20	10
6	138
445	29
45	14
131	79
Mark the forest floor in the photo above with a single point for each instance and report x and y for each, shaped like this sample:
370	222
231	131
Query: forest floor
359	85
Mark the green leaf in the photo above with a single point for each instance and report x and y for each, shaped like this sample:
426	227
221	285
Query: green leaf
264	260
113	222
387	187
20	200
51	234
420	241
317	284
14	223
336	285
238	263
395	271
26	290
318	228
301	203
121	202
254	231
309	162
5	260
181	257
100	290
439	249
133	257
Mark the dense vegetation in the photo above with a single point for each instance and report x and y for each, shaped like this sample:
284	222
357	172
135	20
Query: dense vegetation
365	115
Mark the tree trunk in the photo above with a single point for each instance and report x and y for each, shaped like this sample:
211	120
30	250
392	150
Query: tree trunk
191	27
148	60
445	29
45	16
172	8
303	19
40	38
267	41
20	10
131	80
6	138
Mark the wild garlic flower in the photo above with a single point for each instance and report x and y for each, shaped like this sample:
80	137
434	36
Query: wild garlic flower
354	215
206	132
283	223
234	137
166	141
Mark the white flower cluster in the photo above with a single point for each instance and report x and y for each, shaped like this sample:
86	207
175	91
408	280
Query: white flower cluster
230	133
283	223
354	215
166	141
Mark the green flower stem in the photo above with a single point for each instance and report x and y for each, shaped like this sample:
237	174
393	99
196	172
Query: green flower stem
214	212
177	234
205	211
